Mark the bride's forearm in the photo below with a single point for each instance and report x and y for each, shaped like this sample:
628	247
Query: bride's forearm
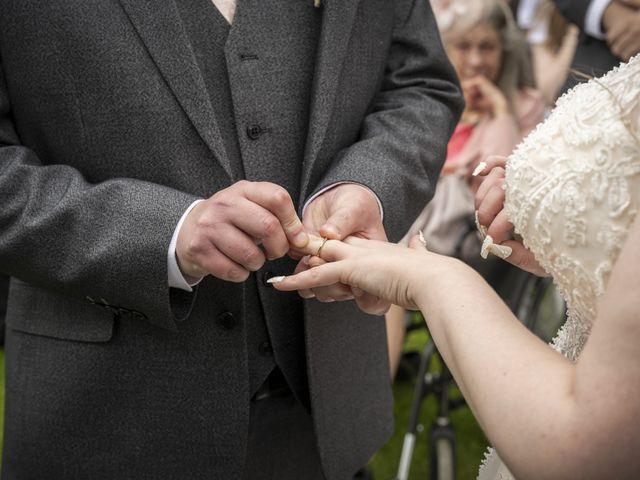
519	388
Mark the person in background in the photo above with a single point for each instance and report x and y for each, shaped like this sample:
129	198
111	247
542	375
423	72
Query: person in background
490	57
552	41
610	32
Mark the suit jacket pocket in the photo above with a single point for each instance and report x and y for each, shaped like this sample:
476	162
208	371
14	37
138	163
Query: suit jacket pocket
38	311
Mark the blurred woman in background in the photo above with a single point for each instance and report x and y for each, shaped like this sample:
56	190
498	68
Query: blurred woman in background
491	59
552	40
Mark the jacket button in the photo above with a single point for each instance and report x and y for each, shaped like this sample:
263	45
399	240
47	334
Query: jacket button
226	320
265	348
254	131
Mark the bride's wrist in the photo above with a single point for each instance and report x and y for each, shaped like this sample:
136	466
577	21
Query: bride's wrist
437	280
421	280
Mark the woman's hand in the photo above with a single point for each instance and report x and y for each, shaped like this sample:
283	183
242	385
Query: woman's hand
483	96
388	271
493	218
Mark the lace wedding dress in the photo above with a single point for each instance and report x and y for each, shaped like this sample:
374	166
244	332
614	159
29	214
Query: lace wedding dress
572	191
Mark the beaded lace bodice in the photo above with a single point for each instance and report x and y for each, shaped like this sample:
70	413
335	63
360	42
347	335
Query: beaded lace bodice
572	191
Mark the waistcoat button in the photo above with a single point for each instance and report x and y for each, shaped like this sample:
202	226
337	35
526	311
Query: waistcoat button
254	131
265	349
226	320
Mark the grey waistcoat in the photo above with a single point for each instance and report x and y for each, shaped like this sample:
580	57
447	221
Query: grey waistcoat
264	137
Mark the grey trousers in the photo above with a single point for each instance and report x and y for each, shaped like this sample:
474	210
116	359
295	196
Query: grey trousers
281	442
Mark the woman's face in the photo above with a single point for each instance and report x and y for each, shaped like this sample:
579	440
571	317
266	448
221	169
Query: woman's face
478	52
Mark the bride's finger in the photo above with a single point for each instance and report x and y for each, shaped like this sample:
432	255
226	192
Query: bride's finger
365	242
501	228
522	258
301	267
491	205
322	276
334	250
493	178
486	165
316	261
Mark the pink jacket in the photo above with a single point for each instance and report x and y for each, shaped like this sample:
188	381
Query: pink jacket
499	135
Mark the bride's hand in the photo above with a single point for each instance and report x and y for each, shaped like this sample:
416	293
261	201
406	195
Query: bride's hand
389	271
489	203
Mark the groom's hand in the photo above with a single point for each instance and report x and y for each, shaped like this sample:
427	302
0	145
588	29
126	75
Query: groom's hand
343	211
221	235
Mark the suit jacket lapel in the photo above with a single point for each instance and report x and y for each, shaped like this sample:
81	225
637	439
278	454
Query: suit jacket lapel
337	20
159	26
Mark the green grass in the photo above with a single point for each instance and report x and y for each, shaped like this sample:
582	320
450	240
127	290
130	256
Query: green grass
470	441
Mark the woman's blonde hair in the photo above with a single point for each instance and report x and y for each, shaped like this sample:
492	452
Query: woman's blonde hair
457	17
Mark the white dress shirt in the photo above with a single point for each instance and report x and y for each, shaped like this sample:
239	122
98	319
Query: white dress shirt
593	20
176	279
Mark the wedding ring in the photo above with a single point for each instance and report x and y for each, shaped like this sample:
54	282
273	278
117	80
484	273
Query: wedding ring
324	240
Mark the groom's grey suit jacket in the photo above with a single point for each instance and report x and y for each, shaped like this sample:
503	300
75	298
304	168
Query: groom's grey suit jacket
107	133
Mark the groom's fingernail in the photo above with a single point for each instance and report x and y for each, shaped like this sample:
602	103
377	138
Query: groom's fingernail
276	279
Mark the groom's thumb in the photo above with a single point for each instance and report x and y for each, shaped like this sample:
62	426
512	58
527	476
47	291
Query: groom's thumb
338	226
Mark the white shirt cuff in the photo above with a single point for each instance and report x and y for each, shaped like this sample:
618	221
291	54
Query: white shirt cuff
176	279
593	19
527	13
333	185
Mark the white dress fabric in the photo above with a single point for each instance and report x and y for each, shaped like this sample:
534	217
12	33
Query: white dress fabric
572	192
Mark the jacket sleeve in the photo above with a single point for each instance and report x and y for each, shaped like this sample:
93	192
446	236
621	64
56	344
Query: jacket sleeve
403	138
105	242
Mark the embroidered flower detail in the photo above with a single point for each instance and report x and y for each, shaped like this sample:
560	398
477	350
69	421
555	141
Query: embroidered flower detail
612	239
575	232
619	197
572	198
599	183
